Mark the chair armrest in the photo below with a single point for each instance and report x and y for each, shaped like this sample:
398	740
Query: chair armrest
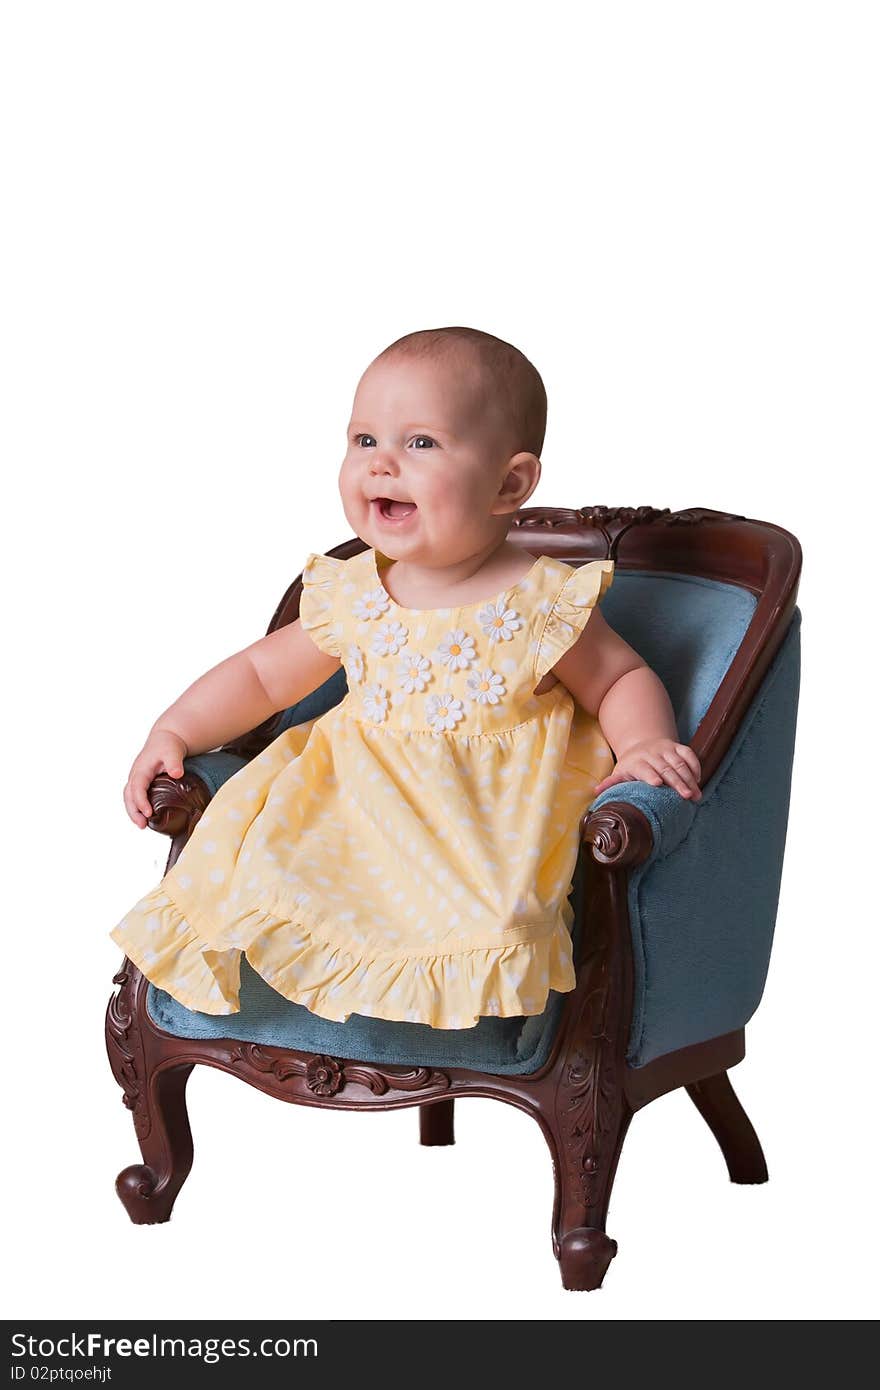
178	802
214	768
631	821
702	900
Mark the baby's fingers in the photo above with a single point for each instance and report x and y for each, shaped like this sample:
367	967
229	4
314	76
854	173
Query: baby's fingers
140	783
690	758
133	806
677	773
655	770
139	780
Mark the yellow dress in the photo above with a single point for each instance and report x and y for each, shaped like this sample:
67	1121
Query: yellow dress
408	854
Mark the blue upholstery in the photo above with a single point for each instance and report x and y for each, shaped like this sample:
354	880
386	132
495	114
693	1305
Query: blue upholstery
703	907
214	768
698	972
687	629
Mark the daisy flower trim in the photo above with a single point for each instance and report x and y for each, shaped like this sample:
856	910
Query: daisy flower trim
499	622
370	604
456	651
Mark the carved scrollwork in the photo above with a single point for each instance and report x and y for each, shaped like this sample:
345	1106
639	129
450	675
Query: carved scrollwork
620	835
614	522
589	1096
643	516
125	1049
545	518
587	1119
691	516
611	522
178	803
325	1076
607	516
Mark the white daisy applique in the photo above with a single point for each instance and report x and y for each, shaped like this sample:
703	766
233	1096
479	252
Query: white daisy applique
375	701
355	661
371	604
485	687
443	711
457	650
499	622
412	672
390	638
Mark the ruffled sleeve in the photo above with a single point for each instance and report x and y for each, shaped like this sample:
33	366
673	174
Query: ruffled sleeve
570	611
318	601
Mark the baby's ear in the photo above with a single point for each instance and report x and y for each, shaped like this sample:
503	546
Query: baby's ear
521	477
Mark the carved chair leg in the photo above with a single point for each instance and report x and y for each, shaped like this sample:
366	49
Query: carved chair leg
435	1122
155	1095
717	1102
585	1162
148	1190
583	1107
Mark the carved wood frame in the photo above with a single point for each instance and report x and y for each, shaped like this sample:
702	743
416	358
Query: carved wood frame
585	1094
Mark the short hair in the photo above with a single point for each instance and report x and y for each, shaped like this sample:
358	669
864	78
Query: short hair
509	378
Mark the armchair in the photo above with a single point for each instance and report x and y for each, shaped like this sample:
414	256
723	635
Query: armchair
675	903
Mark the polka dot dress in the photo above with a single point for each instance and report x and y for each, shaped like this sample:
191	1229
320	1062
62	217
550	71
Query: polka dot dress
408	855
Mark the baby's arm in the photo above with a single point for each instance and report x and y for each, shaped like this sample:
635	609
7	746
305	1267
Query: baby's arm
610	680
229	699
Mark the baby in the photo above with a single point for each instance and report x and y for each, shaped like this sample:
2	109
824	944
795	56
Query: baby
408	854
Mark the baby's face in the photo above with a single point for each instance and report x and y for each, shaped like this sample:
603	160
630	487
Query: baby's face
421	434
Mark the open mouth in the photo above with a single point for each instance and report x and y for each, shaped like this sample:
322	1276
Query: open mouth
390	510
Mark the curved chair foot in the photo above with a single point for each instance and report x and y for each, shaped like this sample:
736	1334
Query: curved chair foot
435	1122
719	1106
148	1190
144	1196
584	1256
583	1188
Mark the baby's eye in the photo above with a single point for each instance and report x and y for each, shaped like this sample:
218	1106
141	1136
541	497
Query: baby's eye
359	437
424	437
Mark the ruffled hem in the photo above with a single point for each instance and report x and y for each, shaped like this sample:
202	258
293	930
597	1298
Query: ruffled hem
445	991
317	604
570	611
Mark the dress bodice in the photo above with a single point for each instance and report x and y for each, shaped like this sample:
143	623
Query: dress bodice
465	671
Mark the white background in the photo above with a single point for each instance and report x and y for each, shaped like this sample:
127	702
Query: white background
215	216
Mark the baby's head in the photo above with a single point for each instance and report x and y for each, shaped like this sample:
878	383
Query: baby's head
448	423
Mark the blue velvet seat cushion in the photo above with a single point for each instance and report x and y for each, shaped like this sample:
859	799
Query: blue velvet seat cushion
688	629
501	1045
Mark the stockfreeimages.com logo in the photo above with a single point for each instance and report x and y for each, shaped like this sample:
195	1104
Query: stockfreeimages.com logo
95	1346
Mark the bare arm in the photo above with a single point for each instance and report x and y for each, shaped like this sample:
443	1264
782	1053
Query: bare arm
233	697
245	689
610	680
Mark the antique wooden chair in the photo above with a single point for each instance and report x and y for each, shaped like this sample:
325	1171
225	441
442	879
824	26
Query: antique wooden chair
675	903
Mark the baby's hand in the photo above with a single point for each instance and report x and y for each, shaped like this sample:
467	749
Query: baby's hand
163	752
658	760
